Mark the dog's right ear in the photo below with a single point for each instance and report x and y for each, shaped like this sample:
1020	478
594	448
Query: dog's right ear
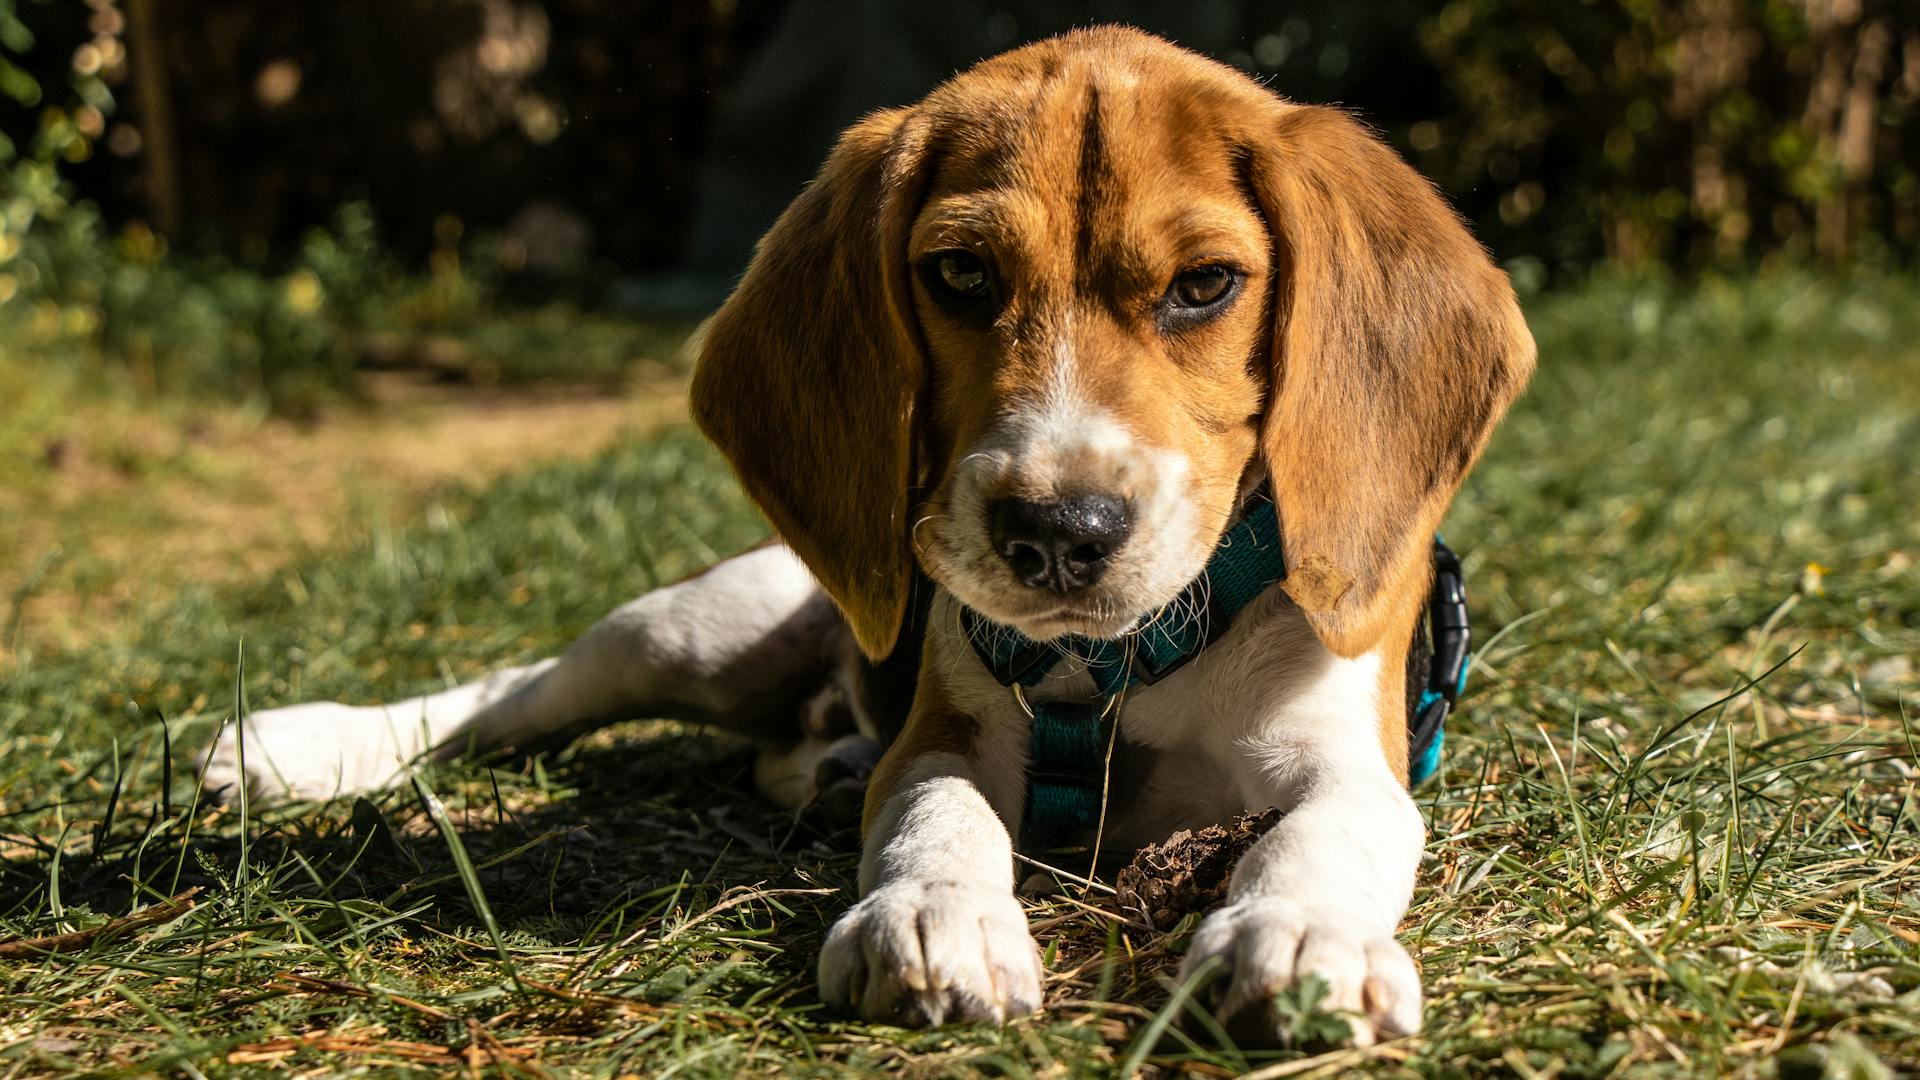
811	372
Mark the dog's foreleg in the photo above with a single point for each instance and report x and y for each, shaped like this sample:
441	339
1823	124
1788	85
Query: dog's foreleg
741	645
1323	891
938	935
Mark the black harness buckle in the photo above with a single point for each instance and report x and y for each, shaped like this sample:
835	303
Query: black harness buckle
1447	618
1451	640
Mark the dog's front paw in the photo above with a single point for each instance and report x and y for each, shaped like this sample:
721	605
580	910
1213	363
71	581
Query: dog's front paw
924	954
313	751
1269	946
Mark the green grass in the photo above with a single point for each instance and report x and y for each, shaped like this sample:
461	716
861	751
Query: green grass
1643	861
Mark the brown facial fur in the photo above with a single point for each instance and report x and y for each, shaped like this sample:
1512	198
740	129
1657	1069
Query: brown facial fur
1084	192
1370	350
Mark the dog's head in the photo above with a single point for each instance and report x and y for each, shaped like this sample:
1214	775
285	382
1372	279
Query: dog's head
1044	330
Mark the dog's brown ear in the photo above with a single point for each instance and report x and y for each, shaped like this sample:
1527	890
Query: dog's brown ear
809	375
1397	346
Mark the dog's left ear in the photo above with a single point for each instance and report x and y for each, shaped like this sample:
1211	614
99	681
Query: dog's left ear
810	374
1397	346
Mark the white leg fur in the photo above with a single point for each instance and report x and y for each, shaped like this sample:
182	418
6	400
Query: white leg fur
789	776
736	646
1322	893
938	935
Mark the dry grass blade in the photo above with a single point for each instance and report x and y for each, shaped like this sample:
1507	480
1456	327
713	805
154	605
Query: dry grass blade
152	915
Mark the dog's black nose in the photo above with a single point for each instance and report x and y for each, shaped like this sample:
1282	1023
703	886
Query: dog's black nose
1062	545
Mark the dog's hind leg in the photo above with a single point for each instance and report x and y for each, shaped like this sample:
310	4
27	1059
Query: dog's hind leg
746	645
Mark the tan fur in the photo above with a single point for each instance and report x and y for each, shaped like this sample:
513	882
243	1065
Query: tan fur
809	375
1397	345
933	727
1367	360
1396	639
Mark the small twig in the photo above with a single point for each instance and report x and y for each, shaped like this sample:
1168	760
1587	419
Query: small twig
1106	764
745	897
1075	878
1335	1060
587	997
17	948
1091	909
480	1040
308	982
255	1053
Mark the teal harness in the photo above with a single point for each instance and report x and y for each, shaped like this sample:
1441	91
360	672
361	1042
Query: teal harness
1070	740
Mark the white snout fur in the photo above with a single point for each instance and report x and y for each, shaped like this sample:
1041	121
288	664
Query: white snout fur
1056	446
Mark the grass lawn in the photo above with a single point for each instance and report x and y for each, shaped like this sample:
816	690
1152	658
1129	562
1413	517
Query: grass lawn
1676	830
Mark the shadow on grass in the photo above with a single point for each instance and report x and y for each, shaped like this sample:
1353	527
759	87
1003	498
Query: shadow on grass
566	847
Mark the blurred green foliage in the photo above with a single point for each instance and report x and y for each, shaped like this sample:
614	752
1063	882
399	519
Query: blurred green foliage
1691	132
294	338
1695	134
292	334
72	290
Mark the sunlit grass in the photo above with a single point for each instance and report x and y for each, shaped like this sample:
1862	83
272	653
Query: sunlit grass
1675	833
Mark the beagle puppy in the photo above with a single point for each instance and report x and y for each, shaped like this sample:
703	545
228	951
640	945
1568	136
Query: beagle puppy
1016	367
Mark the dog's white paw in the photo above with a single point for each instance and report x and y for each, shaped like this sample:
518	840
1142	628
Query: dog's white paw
925	954
314	751
1269	945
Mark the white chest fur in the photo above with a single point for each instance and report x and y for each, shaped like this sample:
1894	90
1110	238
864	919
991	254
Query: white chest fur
1236	729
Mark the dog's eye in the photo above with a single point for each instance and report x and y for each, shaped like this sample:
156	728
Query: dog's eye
960	281
961	273
1198	295
1200	287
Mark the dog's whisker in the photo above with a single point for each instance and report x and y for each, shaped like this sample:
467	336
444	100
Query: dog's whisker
913	534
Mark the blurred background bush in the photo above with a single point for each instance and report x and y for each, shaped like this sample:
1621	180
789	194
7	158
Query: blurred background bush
263	198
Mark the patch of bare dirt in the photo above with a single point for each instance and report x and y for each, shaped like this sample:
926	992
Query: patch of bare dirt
126	510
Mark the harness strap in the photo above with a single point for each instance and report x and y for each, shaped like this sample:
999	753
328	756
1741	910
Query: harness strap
1067	772
1069	739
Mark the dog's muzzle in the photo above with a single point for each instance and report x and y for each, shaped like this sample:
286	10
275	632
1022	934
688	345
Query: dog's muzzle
1062	545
